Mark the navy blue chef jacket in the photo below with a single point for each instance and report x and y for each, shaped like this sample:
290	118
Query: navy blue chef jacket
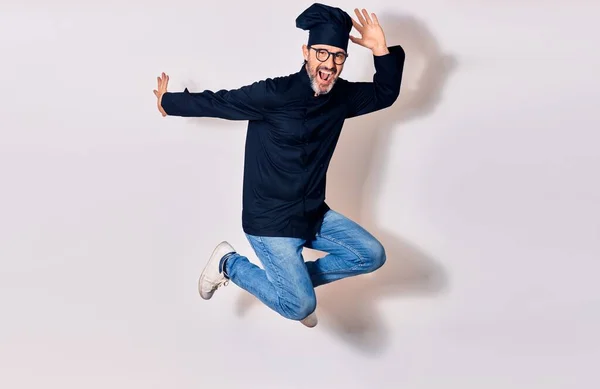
290	139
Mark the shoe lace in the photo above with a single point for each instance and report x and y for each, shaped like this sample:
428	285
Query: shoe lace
224	282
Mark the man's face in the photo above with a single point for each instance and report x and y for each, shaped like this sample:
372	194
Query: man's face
323	69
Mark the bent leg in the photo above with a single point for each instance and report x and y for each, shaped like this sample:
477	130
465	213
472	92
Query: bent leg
284	285
351	249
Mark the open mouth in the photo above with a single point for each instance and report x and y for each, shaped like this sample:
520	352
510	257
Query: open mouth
325	75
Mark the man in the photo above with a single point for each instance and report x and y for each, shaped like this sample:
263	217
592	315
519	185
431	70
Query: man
294	125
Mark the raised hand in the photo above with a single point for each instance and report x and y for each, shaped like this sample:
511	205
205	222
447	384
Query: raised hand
163	82
372	36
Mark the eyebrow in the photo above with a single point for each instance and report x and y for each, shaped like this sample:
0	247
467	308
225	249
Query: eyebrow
334	52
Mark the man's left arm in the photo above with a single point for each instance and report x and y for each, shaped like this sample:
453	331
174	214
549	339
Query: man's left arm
382	92
367	97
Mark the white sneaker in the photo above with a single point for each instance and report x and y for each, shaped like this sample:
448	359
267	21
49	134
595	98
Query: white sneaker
310	320
212	277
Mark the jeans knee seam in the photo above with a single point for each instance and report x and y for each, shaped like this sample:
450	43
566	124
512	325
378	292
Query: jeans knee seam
347	247
348	270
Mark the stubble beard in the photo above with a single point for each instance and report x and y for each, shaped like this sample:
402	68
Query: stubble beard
313	74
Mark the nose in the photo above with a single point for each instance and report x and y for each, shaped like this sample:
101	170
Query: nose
329	63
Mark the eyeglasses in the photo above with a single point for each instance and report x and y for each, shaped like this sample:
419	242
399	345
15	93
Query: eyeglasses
323	55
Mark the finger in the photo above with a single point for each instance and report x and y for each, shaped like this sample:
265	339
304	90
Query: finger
360	17
155	92
161	85
375	20
356	40
356	25
366	15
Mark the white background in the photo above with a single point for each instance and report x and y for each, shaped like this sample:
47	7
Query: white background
481	181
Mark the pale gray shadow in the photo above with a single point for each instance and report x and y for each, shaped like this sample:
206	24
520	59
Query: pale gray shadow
349	307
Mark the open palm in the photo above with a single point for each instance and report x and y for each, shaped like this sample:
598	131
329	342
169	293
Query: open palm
163	82
372	35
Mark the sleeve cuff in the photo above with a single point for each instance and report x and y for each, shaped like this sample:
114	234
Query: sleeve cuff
396	55
166	102
391	62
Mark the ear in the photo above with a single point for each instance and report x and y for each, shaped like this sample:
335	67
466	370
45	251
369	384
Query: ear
305	52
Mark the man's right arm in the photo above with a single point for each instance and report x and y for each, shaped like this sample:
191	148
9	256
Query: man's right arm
245	103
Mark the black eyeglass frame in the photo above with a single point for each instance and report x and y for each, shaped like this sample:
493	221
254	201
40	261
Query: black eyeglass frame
329	53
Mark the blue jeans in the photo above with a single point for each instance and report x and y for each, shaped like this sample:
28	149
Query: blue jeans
287	282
